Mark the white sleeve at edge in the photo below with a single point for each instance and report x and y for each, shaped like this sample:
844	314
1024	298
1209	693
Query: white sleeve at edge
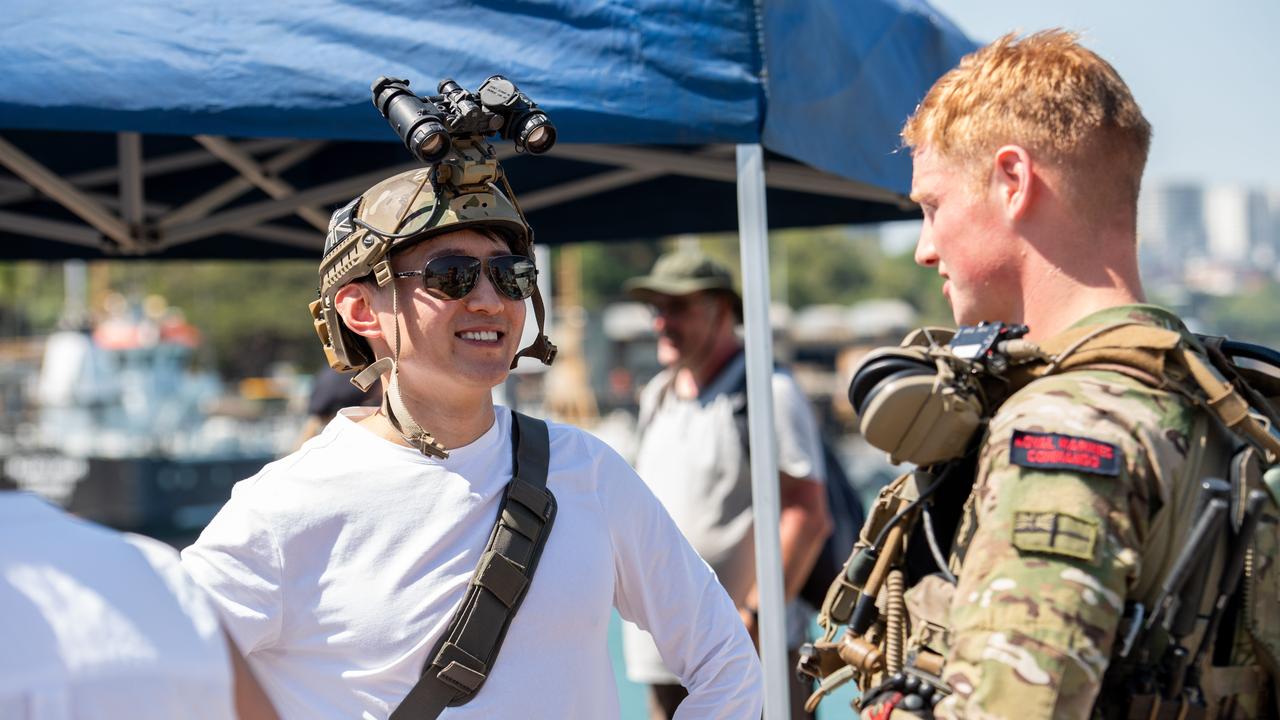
664	587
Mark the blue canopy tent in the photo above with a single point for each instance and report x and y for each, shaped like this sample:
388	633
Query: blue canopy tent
132	104
179	128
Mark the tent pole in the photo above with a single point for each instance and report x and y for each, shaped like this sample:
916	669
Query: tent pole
708	165
239	218
753	243
201	206
38	227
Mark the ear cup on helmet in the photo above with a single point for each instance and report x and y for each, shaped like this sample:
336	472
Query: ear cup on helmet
906	411
879	366
888	381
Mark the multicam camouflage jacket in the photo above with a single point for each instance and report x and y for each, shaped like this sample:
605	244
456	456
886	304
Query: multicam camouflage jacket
1081	498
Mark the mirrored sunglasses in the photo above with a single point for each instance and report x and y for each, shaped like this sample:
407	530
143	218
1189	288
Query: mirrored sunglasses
452	277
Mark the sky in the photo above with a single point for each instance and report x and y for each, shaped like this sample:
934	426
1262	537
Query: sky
1207	75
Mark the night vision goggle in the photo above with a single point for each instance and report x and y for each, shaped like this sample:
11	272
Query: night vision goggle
427	125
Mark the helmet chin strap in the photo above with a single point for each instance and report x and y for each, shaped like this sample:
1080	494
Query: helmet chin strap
541	348
392	404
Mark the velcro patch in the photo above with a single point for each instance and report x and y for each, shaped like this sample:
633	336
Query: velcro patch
341	225
1055	533
1053	451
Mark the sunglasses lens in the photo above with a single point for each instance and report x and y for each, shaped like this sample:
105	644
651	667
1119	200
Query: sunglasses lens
451	277
513	275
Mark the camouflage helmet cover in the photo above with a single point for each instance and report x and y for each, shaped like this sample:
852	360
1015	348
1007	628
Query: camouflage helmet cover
398	212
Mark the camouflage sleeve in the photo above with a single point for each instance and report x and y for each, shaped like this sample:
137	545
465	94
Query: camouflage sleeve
1047	550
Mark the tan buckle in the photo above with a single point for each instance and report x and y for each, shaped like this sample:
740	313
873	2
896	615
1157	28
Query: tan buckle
382	273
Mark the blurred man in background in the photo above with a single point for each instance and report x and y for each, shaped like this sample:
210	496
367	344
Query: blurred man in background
332	391
692	452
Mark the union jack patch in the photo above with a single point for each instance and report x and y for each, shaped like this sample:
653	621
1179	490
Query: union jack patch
340	225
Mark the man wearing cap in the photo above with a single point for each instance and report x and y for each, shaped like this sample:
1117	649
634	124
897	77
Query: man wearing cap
339	569
692	452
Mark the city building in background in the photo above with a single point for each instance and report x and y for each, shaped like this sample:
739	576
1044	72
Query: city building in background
1212	239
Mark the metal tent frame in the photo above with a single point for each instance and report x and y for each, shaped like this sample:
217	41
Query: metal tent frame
129	223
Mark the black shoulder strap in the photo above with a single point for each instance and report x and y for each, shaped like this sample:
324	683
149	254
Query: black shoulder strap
459	664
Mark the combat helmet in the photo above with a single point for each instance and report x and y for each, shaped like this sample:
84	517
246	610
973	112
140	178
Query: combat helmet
460	191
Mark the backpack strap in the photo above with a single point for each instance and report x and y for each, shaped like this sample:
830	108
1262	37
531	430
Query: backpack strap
1165	358
1130	348
1230	402
460	662
737	391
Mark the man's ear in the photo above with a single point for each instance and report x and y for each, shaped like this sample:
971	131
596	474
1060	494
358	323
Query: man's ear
354	302
1013	180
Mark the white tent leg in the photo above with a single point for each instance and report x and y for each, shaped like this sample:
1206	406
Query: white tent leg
753	242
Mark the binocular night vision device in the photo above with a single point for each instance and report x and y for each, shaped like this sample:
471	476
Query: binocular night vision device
427	125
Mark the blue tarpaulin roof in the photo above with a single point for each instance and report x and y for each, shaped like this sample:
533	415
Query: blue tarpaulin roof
827	82
824	82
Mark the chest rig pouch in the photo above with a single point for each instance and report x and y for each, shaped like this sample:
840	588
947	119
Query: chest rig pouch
926	401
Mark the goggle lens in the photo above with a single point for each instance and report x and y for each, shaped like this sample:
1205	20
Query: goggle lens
453	277
514	275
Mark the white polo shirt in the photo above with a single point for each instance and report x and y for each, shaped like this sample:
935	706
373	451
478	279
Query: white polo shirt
693	458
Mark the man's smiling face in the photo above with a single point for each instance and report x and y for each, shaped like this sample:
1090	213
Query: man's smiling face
466	343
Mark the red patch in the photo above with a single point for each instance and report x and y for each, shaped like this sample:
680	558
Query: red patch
1053	451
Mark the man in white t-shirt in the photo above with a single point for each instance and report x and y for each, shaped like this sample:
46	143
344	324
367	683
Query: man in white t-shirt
338	568
692	453
99	625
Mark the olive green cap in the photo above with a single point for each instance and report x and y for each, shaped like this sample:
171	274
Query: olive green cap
684	272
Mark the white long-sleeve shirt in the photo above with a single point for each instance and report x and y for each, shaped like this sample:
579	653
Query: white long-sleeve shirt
338	568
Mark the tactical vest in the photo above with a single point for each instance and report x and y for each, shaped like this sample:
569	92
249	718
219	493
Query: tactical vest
1234	442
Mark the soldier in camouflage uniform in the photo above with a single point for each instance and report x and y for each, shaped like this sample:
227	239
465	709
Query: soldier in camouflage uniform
1052	537
1027	163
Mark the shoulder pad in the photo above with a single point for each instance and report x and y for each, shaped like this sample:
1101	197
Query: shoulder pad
1139	351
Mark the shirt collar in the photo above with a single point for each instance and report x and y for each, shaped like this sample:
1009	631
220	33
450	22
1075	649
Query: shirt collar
1139	313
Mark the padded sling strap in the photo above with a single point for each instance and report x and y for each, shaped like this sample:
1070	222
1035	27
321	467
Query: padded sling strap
460	662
